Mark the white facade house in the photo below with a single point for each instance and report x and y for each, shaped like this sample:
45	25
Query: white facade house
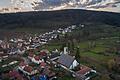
74	64
36	61
67	61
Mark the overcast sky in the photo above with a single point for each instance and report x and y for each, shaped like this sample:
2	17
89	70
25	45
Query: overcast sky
4	3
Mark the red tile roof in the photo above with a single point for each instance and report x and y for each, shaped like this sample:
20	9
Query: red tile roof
22	64
84	70
16	75
28	69
31	55
12	73
1	55
49	72
37	58
42	64
43	53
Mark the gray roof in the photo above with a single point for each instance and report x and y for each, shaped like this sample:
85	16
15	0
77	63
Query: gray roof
66	60
54	55
14	49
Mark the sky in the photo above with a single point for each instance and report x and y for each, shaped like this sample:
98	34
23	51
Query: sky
5	3
30	5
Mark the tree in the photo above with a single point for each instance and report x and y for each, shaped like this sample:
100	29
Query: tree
105	77
77	55
111	64
69	44
62	47
73	44
58	37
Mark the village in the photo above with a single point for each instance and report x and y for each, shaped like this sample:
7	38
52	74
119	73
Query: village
22	59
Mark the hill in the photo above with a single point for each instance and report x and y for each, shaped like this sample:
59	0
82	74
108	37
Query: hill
53	19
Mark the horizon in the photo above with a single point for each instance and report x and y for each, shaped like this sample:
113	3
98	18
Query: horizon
50	5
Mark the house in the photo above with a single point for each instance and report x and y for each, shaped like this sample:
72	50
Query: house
43	42
22	65
19	44
50	39
3	56
49	73
73	26
0	59
54	55
45	50
42	64
44	55
1	50
15	75
5	45
20	40
21	51
63	32
1	41
85	73
14	51
12	63
67	61
37	60
5	65
32	47
12	40
9	64
26	69
30	56
55	51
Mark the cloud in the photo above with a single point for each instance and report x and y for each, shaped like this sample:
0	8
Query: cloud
65	4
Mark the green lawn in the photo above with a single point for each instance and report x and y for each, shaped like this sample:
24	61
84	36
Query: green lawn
99	49
83	45
52	46
96	56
